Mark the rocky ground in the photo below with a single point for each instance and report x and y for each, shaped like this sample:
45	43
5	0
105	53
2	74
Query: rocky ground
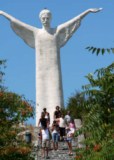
61	154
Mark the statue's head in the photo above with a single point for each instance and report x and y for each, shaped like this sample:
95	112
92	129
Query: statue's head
45	17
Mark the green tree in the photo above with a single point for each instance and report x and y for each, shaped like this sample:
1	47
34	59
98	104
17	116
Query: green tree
98	51
14	109
99	122
75	103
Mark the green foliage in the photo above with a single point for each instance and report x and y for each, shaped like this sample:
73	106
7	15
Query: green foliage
75	103
14	110
100	50
98	124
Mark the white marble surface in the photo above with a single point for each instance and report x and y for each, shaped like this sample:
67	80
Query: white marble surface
47	43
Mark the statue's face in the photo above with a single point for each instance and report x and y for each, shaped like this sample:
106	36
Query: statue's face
45	19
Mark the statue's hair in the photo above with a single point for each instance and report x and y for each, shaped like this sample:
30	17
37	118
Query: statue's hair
45	11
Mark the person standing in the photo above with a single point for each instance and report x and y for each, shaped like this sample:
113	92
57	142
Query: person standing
55	135
62	126
45	142
69	136
72	124
47	116
57	112
68	117
42	123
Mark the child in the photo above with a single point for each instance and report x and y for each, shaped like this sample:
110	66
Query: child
55	135
72	124
45	142
69	136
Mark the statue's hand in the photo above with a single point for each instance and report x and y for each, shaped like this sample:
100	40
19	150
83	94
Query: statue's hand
94	10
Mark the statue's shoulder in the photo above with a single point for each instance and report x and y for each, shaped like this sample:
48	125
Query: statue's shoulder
37	30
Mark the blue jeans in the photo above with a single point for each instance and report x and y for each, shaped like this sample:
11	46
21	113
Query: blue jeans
55	137
69	139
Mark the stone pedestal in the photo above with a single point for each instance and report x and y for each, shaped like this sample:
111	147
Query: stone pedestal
80	138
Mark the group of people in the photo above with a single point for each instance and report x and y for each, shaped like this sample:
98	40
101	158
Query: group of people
62	129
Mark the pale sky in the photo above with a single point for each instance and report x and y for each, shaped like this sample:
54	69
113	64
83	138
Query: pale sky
96	30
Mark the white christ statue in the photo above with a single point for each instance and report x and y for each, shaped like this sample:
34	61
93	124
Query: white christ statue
47	42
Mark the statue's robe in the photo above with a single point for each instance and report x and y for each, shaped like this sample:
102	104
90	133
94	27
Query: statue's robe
49	91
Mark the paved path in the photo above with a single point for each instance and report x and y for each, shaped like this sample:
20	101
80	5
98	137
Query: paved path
61	154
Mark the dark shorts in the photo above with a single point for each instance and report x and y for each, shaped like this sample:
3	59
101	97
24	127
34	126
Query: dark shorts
62	131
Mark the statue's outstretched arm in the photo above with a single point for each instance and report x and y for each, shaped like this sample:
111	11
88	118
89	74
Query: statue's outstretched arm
78	18
6	15
91	10
66	30
13	19
25	31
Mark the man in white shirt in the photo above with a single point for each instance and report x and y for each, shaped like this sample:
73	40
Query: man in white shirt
68	117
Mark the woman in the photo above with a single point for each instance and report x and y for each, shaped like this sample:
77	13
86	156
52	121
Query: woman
62	126
42	121
47	116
